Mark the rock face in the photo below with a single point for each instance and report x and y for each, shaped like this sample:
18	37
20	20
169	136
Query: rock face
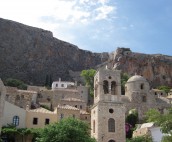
156	68
30	54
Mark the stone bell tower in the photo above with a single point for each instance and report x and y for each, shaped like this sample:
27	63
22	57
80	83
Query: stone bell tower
108	112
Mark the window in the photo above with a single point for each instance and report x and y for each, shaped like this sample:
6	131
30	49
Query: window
16	120
80	106
110	110
111	125
111	141
142	86
62	85
0	93
61	116
155	93
94	126
73	115
47	121
76	106
143	98
85	117
113	87
35	121
56	85
105	87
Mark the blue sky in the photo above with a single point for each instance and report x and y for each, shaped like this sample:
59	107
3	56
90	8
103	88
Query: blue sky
99	25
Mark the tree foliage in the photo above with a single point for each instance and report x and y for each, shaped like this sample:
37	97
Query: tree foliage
164	88
10	131
15	83
88	76
144	138
124	79
162	120
66	130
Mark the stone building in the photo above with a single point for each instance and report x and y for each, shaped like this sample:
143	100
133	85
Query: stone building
108	112
2	100
139	96
21	98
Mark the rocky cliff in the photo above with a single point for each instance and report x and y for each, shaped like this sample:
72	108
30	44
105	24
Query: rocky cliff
30	54
156	68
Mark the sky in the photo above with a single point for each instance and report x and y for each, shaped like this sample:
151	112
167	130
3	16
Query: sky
144	26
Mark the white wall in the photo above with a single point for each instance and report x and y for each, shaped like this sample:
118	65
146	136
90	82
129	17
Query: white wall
10	111
156	134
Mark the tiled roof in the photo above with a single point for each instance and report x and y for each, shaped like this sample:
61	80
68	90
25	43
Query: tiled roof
72	99
41	110
83	112
67	90
27	91
67	107
157	90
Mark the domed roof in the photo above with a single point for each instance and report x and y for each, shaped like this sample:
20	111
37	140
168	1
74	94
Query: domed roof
136	78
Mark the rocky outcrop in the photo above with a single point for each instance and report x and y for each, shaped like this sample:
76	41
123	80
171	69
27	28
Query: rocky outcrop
30	54
156	68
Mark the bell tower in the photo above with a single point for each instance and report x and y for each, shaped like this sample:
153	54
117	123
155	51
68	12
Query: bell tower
108	112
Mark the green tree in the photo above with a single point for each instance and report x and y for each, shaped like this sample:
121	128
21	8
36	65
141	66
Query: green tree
66	130
164	88
88	76
140	139
124	79
15	83
162	120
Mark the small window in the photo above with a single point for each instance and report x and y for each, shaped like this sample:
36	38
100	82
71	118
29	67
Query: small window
142	86
94	126
85	117
155	93
35	121
82	91
73	115
110	110
110	77
0	93
143	98
56	85
76	106
61	116
47	121
16	120
80	106
62	85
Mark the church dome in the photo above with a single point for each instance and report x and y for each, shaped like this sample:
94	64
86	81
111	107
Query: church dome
136	78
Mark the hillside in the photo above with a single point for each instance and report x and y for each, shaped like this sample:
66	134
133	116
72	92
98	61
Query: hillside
29	54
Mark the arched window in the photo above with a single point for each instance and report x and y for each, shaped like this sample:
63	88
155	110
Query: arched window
105	87
111	125
16	120
113	87
93	126
111	141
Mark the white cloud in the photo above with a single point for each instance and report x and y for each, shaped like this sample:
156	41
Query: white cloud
102	12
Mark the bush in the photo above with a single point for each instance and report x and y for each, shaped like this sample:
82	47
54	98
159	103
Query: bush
15	83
